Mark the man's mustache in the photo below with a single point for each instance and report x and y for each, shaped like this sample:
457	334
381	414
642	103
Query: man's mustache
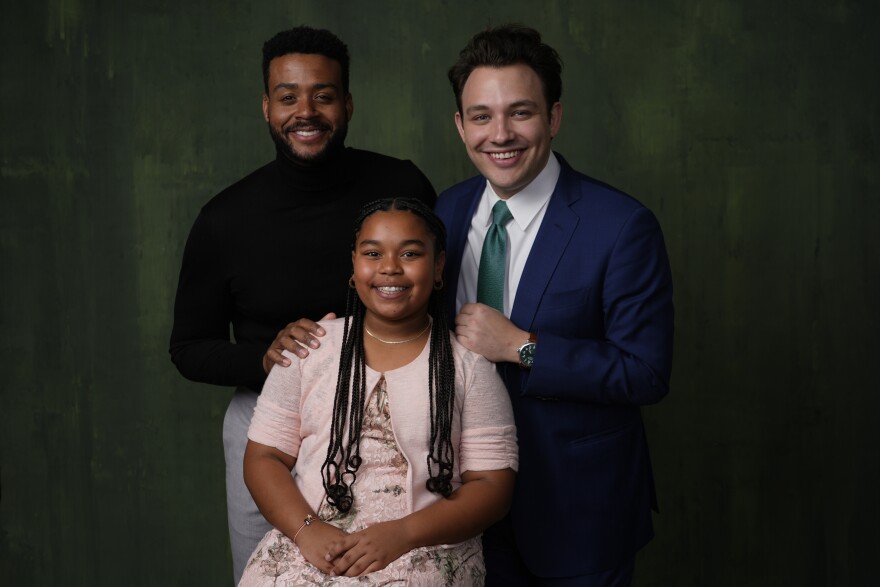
312	123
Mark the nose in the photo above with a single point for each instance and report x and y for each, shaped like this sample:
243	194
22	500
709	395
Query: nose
389	265
305	109
502	131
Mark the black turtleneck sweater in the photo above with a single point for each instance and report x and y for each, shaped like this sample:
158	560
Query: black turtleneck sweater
271	249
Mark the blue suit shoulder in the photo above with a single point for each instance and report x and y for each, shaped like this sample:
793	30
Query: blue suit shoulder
462	189
583	191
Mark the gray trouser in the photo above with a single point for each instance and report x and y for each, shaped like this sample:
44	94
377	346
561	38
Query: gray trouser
246	524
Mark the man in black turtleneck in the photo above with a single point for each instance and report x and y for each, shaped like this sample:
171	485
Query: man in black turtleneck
301	206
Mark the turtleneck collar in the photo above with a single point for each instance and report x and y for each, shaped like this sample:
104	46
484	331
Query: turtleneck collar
330	172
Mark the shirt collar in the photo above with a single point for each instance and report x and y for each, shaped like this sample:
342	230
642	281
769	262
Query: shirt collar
525	204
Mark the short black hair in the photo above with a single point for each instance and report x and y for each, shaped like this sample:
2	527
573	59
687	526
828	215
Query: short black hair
305	39
509	44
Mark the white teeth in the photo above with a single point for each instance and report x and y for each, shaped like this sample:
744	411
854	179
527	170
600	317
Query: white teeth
507	155
307	133
391	289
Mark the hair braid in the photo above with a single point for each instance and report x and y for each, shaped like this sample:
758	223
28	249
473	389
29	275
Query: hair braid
339	470
350	385
441	386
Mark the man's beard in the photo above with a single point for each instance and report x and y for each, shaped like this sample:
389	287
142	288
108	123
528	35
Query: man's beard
333	146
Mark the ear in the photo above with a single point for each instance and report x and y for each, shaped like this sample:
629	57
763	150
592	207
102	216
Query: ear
265	107
349	107
439	264
459	125
555	118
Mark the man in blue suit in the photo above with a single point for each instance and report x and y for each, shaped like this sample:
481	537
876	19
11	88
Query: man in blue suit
581	326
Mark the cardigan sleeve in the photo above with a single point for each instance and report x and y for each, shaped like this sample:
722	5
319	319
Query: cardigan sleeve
488	433
276	420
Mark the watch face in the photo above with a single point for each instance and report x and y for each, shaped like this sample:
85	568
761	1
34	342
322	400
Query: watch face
527	354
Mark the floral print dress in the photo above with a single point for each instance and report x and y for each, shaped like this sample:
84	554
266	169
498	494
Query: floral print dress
379	495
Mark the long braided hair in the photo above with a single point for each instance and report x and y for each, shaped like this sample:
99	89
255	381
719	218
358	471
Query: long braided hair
339	470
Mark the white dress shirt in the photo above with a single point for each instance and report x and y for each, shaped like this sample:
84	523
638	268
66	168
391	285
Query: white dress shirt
527	207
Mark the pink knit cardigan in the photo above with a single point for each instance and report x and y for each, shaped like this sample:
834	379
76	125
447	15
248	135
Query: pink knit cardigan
295	408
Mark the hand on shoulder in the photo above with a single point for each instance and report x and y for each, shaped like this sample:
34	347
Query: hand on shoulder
297	337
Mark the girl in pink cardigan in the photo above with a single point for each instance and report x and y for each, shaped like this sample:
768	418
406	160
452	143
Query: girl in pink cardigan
403	440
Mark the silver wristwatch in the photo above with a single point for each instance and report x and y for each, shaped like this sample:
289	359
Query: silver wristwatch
527	352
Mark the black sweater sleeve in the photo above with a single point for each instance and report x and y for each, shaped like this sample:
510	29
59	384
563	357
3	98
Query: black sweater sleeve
200	342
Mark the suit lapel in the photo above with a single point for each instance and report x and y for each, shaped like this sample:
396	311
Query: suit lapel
462	214
553	237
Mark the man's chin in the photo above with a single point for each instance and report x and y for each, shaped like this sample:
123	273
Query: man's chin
314	157
308	158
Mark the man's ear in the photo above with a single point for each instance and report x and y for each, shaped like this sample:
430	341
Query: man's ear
266	107
459	125
349	106
555	118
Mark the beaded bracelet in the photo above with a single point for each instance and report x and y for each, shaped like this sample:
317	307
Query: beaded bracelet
307	522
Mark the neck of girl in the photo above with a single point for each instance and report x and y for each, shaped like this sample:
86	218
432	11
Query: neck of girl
389	346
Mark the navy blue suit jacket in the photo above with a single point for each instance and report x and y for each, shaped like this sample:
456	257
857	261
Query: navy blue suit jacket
597	291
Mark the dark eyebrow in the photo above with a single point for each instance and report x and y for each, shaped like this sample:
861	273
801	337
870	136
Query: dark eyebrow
294	86
477	108
410	242
517	104
521	103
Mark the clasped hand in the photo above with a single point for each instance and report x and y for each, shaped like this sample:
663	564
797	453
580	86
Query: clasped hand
355	554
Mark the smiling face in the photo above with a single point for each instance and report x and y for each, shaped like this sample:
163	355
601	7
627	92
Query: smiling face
395	268
305	108
505	125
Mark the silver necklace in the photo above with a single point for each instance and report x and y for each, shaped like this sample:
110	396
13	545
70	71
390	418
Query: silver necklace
367	330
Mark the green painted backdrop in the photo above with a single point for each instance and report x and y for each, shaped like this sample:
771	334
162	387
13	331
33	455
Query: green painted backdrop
750	128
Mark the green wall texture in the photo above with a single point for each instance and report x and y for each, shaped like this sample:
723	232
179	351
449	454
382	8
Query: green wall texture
750	128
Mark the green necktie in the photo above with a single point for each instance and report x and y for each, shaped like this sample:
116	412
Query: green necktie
493	261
